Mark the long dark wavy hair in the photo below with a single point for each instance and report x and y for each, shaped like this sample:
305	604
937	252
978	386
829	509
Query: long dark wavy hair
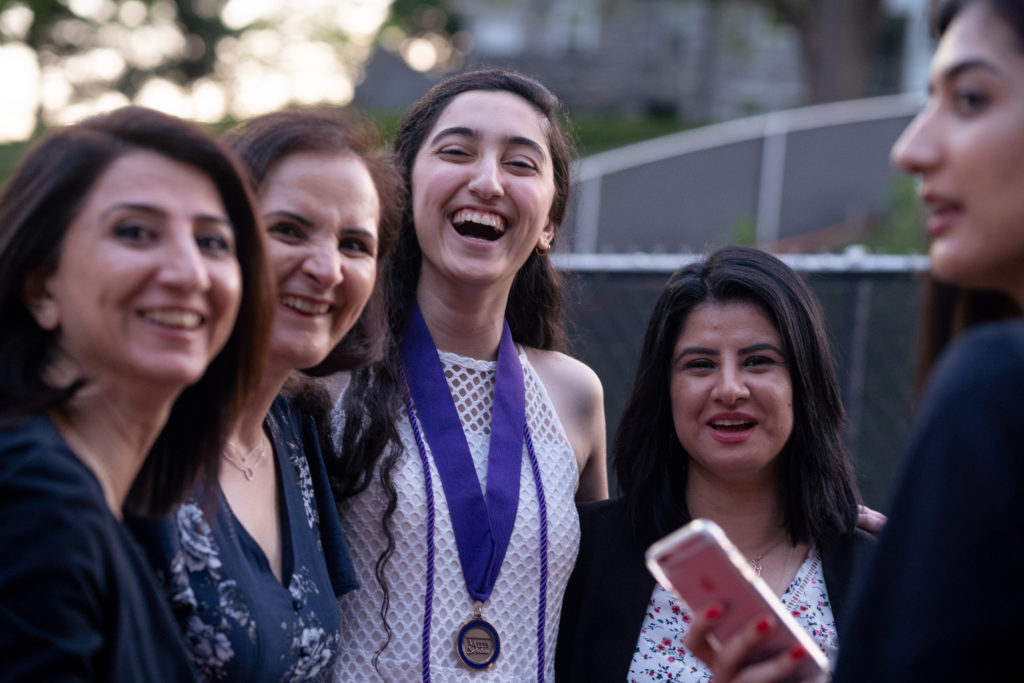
816	480
373	400
42	197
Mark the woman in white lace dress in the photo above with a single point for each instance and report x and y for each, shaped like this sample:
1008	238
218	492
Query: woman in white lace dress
467	445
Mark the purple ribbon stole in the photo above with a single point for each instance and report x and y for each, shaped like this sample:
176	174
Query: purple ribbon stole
482	522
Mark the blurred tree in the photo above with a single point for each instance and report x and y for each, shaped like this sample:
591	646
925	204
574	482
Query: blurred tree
93	50
416	17
56	29
838	42
202	59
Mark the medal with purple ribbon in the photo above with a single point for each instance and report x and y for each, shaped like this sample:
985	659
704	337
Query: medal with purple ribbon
482	521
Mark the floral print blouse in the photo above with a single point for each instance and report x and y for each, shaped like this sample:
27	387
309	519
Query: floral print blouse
660	655
240	623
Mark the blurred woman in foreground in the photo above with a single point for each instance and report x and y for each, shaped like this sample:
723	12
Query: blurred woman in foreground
943	597
127	243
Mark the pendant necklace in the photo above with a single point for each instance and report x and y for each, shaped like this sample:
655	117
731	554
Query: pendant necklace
241	463
756	562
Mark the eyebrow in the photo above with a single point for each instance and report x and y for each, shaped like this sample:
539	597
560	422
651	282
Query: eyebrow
291	215
157	211
358	231
951	72
705	351
463	131
299	218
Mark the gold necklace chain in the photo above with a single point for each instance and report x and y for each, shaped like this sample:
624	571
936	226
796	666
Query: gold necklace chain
756	562
241	463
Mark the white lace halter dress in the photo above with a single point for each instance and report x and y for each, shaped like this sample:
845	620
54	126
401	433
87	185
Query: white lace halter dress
513	605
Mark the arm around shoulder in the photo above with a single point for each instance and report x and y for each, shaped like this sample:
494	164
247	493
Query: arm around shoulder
578	398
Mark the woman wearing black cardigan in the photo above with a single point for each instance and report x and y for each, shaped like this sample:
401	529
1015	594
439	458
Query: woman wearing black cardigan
735	416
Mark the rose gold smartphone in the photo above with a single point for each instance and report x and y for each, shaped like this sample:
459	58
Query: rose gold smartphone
700	566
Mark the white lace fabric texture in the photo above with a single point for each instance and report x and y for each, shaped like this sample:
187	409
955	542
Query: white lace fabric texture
513	605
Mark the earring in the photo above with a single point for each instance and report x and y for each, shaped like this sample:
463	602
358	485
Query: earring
46	314
541	251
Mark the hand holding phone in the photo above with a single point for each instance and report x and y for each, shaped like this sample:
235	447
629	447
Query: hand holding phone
700	566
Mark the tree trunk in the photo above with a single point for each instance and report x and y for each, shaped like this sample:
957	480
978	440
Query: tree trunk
838	42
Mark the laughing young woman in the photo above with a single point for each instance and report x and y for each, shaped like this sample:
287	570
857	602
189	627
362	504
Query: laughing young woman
465	448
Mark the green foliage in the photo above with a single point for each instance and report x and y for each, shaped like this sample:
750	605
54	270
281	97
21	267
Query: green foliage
598	133
901	230
10	154
745	232
415	17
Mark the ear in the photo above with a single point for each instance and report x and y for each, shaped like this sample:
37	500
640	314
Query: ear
40	303
547	236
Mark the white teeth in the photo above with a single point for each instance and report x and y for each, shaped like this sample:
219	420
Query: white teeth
729	423
305	306
187	320
488	219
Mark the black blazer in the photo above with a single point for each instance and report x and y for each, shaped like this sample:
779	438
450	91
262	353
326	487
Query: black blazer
610	588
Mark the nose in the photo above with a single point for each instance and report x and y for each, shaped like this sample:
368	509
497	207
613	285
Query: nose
486	182
730	387
183	265
323	264
917	150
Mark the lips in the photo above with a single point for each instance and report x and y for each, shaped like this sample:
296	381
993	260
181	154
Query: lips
304	305
944	211
175	318
731	426
479	224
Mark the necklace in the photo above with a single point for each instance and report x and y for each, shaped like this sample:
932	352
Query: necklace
756	562
241	463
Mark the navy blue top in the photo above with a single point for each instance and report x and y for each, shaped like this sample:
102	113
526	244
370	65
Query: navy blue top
78	601
943	596
240	622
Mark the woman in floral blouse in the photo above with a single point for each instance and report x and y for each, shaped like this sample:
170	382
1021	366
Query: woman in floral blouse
735	416
254	568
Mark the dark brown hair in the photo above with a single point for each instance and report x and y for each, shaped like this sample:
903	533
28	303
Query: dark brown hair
816	481
948	309
43	195
266	140
373	399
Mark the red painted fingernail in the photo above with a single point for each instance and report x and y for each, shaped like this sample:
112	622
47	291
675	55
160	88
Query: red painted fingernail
763	625
798	652
714	612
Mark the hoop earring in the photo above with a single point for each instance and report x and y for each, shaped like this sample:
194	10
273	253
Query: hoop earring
541	251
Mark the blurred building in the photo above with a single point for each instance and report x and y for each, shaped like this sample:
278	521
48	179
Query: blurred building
696	60
692	60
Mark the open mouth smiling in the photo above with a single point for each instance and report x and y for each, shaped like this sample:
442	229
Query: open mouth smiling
486	226
731	425
305	306
173	318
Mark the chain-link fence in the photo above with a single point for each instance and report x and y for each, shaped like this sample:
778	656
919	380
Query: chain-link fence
872	308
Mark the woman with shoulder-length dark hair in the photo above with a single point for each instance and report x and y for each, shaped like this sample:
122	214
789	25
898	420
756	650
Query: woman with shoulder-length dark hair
127	244
265	566
735	416
941	599
473	388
